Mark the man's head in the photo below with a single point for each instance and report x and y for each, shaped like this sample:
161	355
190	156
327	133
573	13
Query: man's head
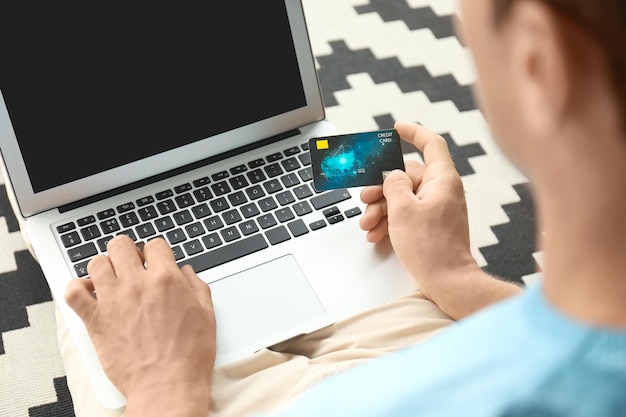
548	69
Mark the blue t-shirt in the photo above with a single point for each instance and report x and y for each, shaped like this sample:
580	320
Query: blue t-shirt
520	357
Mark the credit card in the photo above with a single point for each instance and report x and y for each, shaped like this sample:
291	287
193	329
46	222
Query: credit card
354	160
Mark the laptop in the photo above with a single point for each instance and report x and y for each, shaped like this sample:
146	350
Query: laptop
183	122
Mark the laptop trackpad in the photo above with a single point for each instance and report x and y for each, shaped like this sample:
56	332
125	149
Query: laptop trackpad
262	306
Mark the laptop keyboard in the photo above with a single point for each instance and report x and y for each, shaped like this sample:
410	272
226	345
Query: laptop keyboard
217	218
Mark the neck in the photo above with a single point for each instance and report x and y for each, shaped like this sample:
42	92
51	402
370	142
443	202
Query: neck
583	227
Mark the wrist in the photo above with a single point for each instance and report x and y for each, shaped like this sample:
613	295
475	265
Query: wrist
163	398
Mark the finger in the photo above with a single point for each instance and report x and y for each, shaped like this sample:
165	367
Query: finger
124	256
158	252
102	273
415	171
374	213
371	194
433	146
79	296
200	288
379	232
399	193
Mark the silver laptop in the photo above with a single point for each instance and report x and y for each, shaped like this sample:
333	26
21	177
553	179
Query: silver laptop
190	124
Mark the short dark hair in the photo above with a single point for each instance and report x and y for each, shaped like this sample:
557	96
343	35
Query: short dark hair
603	21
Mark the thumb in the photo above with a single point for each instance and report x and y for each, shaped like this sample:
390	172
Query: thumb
398	191
79	295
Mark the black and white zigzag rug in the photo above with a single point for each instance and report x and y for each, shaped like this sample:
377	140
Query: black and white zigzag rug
378	61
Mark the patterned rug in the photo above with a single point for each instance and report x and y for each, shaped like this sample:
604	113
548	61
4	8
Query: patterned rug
378	61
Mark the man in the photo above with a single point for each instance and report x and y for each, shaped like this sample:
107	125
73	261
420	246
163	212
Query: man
550	81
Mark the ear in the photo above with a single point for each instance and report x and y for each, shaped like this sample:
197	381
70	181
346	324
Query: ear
539	66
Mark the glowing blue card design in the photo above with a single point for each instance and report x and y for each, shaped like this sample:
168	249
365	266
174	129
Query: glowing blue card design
354	160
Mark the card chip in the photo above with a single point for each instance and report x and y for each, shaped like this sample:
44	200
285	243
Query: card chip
322	144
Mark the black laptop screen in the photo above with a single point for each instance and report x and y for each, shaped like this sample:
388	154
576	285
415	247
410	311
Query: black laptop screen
93	86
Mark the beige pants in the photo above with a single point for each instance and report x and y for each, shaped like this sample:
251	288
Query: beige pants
275	375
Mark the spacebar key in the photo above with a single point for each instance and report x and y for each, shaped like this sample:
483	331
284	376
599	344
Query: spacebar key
226	253
329	198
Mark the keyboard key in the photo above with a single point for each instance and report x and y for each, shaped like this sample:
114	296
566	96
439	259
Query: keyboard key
256	163
184	200
273	157
219	175
277	235
147	213
182	217
102	243
248	227
194	230
81	269
178	253
284	214
219	204
66	227
291	151
256	175
70	239
81	252
231	216
285	197
110	226
237	199
213	223
306	174
290	180
255	192
105	214
238	169
302	208
335	219
230	233
90	232
164	194
182	188
331	211
330	198
166	207
212	240
273	170
267	204
226	253
201	210
176	236
193	247
164	223
305	159
290	164
128	219
249	210
272	186
220	188
145	201
85	221
201	182
145	230
352	212
202	194
238	182
316	225
302	191
266	221
297	228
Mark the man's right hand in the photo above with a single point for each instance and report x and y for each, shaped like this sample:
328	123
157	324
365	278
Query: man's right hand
424	212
